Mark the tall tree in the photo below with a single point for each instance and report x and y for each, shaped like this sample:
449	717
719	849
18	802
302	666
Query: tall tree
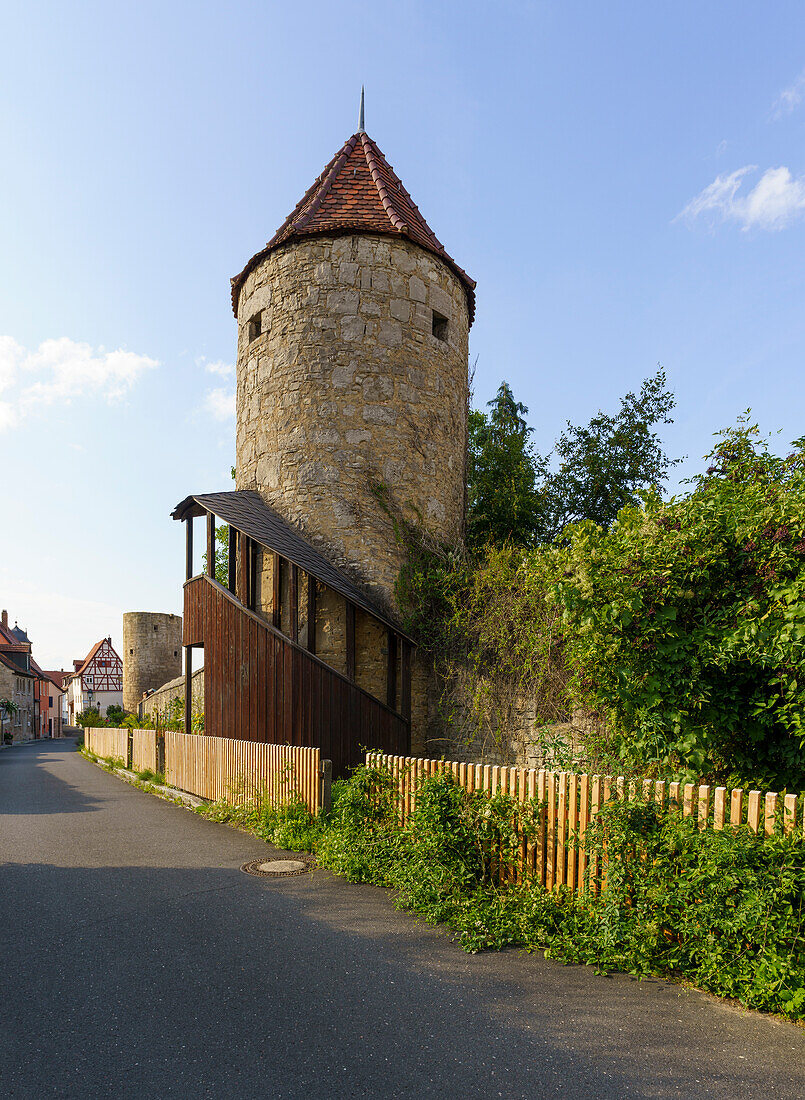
503	504
605	465
513	495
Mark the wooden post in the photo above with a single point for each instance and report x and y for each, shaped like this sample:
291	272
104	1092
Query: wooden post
188	688
189	548
391	671
405	686
253	553
294	601
210	545
233	560
326	786
311	613
245	571
276	610
349	619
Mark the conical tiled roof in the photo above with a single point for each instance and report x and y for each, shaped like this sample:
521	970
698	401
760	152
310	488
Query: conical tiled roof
358	192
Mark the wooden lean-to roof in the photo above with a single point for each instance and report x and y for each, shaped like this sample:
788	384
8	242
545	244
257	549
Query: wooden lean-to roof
358	192
246	511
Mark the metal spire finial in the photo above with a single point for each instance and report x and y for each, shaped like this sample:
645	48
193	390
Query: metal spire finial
361	129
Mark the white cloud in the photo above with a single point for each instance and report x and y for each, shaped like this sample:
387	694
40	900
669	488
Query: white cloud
776	200
220	403
218	367
61	370
789	98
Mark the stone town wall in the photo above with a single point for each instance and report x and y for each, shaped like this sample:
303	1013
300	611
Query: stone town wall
347	386
160	703
152	653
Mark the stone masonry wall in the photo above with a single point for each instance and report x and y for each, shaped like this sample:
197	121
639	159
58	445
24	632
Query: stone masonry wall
347	386
160	702
152	653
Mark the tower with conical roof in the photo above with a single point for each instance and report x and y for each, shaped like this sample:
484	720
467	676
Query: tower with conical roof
352	360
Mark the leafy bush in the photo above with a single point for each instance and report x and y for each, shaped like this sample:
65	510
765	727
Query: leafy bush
685	622
90	718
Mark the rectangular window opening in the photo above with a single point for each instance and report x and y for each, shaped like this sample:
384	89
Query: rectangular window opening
439	326
255	327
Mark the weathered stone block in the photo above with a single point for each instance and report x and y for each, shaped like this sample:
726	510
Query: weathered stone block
417	290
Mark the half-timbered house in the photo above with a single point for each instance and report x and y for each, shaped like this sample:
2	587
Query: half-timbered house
96	682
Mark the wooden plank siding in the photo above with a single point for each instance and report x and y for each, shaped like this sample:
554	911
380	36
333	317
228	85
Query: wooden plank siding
259	685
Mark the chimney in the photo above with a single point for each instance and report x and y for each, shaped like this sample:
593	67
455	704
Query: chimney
5	619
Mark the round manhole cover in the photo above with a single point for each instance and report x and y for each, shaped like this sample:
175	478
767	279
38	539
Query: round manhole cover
279	868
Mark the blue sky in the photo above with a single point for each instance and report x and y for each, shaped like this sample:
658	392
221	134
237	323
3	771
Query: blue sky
626	181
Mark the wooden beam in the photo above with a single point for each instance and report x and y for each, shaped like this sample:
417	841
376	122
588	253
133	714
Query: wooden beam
189	547
294	601
253	557
276	610
188	688
244	541
311	613
210	545
405	687
233	559
349	632
391	671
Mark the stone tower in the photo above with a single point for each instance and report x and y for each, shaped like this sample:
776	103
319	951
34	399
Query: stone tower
152	653
352	368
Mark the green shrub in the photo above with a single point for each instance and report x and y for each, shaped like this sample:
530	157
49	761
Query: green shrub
684	621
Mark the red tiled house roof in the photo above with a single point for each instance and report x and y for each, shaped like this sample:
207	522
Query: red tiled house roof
358	192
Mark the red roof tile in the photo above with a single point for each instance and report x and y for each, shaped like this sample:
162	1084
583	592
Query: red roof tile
358	192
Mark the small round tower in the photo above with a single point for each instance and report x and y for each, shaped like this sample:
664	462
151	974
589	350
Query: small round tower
152	653
352	357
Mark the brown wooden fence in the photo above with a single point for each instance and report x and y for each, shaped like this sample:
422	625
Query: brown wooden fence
221	767
569	803
107	743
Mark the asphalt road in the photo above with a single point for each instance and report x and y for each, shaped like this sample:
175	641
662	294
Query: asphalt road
137	960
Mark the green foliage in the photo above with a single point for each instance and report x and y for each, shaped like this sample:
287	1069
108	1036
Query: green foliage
513	494
685	622
91	717
148	776
503	504
115	716
493	636
605	466
290	826
221	554
134	722
722	909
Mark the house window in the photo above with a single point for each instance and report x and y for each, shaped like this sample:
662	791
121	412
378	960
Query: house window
439	326
50	700
253	330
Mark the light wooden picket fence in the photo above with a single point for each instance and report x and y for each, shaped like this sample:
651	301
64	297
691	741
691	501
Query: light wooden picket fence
107	743
221	767
144	750
569	803
239	771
